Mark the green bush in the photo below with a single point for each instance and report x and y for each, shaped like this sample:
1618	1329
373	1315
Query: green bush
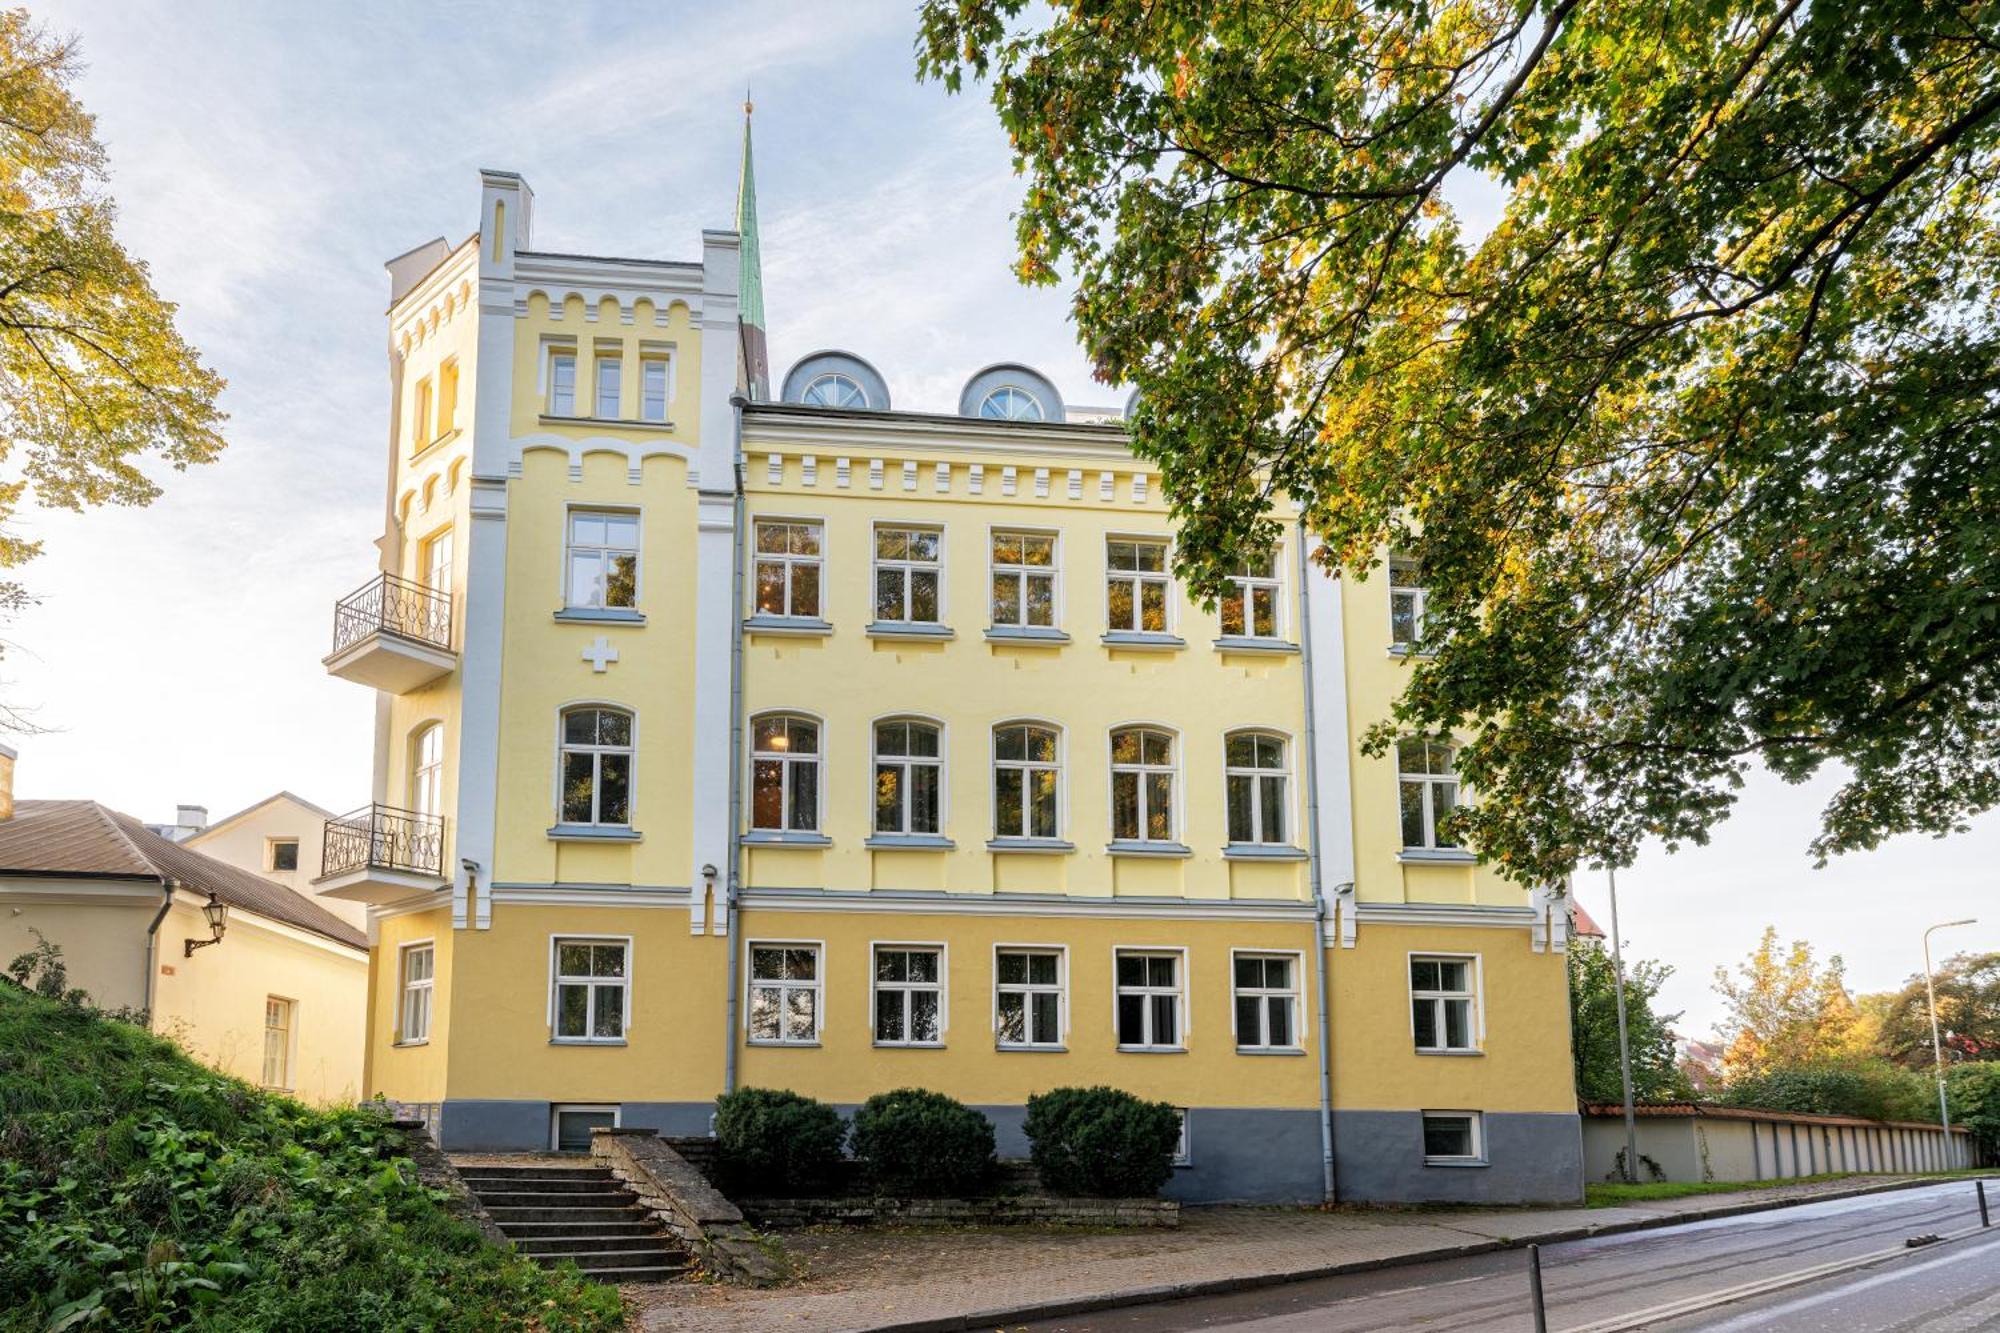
775	1142
139	1189
1871	1089
1974	1093
1101	1141
914	1142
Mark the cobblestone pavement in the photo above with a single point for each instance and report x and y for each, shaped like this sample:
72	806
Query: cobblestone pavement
859	1279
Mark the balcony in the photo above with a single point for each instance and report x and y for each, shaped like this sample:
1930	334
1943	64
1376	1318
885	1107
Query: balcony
380	854
392	634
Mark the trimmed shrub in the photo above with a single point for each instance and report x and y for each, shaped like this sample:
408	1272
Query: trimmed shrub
915	1142
772	1141
1101	1141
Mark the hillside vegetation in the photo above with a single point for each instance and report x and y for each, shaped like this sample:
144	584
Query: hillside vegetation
141	1190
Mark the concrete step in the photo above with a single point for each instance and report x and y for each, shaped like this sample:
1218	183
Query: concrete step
558	1230
572	1183
504	1215
538	1199
482	1172
606	1260
651	1243
662	1273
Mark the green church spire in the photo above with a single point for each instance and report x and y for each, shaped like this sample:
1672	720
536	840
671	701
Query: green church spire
750	281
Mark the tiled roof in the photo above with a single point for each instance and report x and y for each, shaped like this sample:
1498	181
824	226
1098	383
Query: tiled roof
85	838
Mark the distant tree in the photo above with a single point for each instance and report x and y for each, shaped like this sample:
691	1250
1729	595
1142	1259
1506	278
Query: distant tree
1869	1087
1593	1007
94	376
1695	446
1973	1091
1968	1003
1786	1011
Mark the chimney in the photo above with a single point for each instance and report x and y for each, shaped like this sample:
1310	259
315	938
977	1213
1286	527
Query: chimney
191	818
7	757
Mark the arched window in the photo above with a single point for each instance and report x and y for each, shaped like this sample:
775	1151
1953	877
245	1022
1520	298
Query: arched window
427	770
1254	774
834	389
1008	403
1142	785
909	777
1027	773
1427	790
784	773
597	767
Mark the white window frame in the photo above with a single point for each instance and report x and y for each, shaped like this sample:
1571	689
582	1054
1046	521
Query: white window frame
1295	993
1401	573
1246	585
558	1110
405	987
941	988
1028	990
603	554
558	979
1164	576
664	363
1041	408
597	752
790	561
994	763
786	759
602	360
1183	1007
557	353
271	846
828	375
1021	572
817	986
426	790
1478	1145
1172	768
1283	772
1430	782
906	569
1475	1026
287	1048
905	762
433	573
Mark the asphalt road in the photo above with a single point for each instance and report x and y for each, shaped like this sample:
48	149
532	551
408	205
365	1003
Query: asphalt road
1638	1279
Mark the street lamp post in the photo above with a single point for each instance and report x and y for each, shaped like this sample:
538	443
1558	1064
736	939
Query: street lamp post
1624	1043
1930	993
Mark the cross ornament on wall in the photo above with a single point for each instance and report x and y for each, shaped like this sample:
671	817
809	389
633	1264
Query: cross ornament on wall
600	655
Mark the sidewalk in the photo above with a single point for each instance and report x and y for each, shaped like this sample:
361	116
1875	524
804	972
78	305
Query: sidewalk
912	1281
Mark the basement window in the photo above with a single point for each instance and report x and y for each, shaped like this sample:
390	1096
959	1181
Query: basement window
570	1126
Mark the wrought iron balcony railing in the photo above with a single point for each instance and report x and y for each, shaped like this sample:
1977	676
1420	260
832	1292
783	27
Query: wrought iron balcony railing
387	604
381	837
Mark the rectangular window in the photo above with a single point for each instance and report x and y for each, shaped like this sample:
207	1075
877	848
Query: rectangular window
277	1042
447	406
653	371
1254	787
610	383
570	1126
592	997
788	568
435	572
909	995
1149	1000
784	1003
418	967
284	853
1028	997
1024	579
1406	605
1136	585
562	384
1250	607
909	777
1184	1146
1453	1137
1267	1002
596	767
1442	1000
603	559
420	416
908	575
1427	791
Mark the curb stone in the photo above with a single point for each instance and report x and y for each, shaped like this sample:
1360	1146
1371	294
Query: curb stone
981	1321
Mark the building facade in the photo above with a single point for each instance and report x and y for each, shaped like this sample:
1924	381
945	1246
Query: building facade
732	734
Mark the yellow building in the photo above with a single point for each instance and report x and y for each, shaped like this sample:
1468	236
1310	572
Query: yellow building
729	738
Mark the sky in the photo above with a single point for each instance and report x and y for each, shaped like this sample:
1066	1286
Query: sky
267	159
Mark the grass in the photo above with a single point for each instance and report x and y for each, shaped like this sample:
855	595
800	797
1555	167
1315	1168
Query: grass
1611	1193
142	1190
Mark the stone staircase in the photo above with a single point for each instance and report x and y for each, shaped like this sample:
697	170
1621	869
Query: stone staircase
553	1211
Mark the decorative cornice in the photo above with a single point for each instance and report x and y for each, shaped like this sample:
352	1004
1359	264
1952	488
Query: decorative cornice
915	902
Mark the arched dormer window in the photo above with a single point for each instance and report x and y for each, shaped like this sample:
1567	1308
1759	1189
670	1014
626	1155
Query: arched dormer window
835	379
834	389
1010	402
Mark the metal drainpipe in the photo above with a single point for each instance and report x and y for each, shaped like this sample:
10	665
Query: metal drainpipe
735	763
167	887
1313	869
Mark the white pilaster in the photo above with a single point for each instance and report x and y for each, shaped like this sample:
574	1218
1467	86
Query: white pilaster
716	611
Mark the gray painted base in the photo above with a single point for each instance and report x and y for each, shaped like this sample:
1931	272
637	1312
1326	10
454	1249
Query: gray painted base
1530	1158
510	1126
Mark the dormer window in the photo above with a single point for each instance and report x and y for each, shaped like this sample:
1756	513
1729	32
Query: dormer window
1009	403
834	390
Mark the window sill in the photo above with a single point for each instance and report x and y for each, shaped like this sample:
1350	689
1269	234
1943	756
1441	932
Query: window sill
1140	641
586	1041
1441	856
1152	1050
781	1045
601	615
795	626
1263	851
780	838
1270	1050
1255	646
586	833
1410	650
1033	846
909	1045
908	842
430	447
1134	847
1040	636
1031	1050
401	1045
1448	1052
623	423
893	629
1455	1161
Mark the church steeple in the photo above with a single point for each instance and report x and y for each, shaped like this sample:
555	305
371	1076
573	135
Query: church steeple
756	363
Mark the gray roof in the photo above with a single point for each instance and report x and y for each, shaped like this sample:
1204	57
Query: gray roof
83	838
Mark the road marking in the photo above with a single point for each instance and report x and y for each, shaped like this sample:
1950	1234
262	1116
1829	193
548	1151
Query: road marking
1743	1291
1758	1318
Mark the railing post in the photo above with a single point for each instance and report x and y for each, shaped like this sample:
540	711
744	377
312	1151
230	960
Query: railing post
1535	1289
1985	1218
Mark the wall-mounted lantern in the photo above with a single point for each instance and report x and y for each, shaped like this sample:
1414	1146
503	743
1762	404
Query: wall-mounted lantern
217	913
